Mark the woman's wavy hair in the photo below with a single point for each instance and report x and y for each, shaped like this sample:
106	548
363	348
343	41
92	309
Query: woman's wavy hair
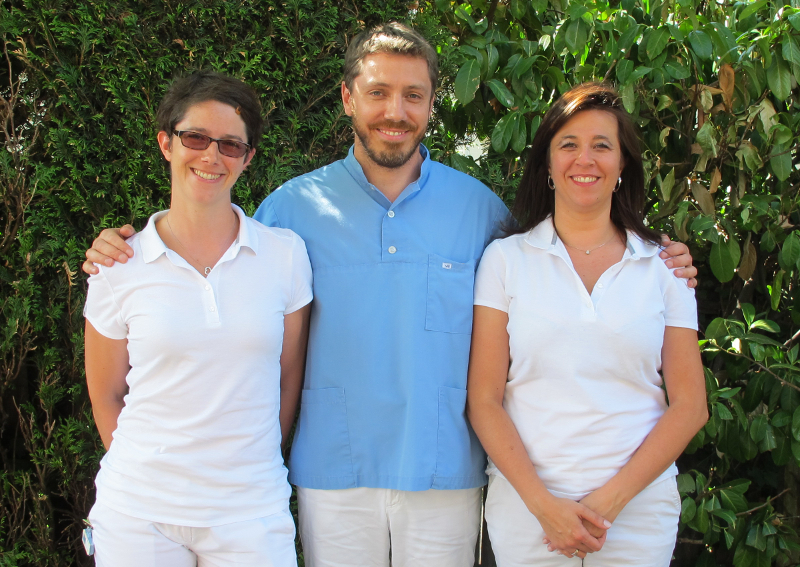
535	200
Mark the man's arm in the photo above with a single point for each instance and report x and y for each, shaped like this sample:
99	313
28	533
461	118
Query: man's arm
108	248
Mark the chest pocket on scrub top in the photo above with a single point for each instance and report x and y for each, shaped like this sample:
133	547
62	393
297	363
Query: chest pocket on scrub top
449	300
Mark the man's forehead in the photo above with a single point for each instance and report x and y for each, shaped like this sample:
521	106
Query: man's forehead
392	68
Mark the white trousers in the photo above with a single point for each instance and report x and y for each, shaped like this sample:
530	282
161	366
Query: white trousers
643	535
124	541
376	527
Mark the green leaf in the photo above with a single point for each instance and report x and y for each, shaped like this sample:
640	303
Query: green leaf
782	451
707	138
701	44
629	98
667	184
717	330
758	428
746	556
518	8
492	57
794	19
502	93
628	37
688	510
733	500
755	538
657	42
766	325
779	78
638	73
781	161
624	70
796	423
686	484
726	515
761	339
467	81
724	258
503	130
520	136
752	9
790	50
775	290
677	70
749	313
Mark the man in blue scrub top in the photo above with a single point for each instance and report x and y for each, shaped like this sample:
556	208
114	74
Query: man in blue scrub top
385	462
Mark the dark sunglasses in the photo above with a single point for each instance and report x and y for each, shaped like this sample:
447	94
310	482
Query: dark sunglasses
197	141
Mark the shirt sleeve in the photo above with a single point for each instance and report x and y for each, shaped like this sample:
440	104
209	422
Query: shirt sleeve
490	281
266	215
680	305
101	308
302	278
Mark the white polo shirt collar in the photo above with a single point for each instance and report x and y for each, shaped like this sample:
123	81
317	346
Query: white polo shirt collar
153	247
544	237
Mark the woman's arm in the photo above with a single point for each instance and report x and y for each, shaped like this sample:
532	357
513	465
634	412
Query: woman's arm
293	363
106	369
560	518
686	414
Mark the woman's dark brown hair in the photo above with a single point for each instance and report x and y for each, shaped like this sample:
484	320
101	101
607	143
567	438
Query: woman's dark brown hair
535	200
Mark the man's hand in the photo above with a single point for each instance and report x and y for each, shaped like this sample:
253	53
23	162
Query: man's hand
108	248
676	255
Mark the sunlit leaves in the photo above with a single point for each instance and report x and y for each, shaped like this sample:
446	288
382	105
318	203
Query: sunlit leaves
724	257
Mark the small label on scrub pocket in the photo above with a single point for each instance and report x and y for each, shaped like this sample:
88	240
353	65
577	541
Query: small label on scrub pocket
447	265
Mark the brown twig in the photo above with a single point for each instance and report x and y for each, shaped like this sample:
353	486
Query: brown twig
751	510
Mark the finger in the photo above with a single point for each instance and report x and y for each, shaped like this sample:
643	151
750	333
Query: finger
113	237
93	255
127	231
103	249
90	268
691	282
580	554
594	518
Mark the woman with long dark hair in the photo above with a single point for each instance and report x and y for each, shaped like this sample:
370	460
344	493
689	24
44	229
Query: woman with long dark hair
576	321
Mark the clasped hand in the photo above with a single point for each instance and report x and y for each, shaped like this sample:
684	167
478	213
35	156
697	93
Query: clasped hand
572	528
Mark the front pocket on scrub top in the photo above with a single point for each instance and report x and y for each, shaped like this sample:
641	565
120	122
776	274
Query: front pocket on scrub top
321	446
449	300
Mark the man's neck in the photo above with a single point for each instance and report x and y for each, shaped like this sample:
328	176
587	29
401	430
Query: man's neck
389	180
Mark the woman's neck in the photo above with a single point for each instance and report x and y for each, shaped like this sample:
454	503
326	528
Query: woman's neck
584	230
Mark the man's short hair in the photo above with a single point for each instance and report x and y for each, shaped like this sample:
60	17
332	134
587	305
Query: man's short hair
202	86
392	37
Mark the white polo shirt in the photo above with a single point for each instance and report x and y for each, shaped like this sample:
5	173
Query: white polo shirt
198	441
584	388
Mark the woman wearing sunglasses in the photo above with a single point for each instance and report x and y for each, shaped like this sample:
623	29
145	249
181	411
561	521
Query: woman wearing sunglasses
578	325
194	356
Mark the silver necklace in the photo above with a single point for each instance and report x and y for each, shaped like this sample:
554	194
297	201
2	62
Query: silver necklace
590	250
206	269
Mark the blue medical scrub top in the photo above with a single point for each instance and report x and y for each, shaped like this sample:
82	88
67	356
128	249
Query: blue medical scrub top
383	403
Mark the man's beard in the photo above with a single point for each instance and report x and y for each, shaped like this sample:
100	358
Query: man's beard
391	158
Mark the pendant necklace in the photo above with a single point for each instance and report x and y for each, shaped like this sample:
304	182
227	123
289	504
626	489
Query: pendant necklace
590	250
206	269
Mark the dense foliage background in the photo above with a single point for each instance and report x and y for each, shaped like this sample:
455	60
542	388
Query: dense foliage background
713	85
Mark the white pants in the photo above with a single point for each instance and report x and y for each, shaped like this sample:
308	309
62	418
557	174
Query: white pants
643	535
124	541
361	527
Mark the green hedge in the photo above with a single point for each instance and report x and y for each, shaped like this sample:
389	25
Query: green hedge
713	87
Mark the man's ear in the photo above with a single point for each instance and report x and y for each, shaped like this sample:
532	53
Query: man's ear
347	100
165	144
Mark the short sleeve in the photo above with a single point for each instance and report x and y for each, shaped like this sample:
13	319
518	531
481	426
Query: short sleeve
101	309
680	305
490	281
266	215
301	276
